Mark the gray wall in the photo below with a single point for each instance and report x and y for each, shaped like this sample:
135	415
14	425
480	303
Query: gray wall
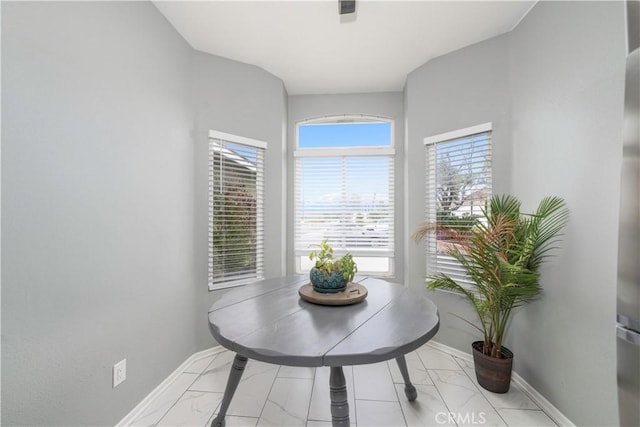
97	197
104	201
465	88
554	90
247	101
104	193
567	76
389	105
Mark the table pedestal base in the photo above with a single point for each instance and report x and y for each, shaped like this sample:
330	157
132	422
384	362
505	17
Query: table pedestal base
338	393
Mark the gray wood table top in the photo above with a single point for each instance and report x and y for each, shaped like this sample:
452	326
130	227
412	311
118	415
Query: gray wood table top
268	321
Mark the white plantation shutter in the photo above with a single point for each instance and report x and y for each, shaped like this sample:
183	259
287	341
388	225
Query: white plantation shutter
236	185
458	187
347	198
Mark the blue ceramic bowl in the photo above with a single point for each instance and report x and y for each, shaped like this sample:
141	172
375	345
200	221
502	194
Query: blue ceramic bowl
327	283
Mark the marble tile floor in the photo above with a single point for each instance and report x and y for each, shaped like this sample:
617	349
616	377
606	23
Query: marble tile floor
272	395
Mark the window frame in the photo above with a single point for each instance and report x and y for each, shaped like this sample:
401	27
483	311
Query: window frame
431	204
356	151
259	273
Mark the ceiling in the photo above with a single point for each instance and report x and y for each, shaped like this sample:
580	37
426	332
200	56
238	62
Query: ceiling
314	50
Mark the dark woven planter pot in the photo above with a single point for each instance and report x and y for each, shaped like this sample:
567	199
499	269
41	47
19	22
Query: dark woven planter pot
493	374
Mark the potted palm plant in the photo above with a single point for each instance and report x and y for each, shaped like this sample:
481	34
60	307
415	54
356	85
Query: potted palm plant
501	254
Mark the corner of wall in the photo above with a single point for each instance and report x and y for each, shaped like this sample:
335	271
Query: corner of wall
566	87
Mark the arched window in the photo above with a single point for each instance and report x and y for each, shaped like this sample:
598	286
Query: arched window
344	190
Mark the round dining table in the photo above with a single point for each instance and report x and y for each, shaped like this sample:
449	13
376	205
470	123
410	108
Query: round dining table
269	321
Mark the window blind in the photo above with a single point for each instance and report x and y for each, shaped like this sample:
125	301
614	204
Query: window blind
458	188
236	185
349	200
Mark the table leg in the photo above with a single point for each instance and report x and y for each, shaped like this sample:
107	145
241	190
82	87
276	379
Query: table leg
239	362
409	389
338	393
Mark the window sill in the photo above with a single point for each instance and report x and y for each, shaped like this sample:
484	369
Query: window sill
234	284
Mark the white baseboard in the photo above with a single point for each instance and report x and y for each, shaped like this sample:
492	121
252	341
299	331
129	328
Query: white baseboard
139	409
452	351
553	412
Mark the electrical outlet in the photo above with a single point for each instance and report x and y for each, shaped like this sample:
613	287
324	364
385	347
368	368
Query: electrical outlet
119	372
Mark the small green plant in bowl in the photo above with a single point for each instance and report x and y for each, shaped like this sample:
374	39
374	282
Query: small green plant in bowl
331	275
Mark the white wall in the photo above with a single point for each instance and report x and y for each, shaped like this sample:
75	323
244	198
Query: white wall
388	105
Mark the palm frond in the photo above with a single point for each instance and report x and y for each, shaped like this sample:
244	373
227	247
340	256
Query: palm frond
502	256
550	217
